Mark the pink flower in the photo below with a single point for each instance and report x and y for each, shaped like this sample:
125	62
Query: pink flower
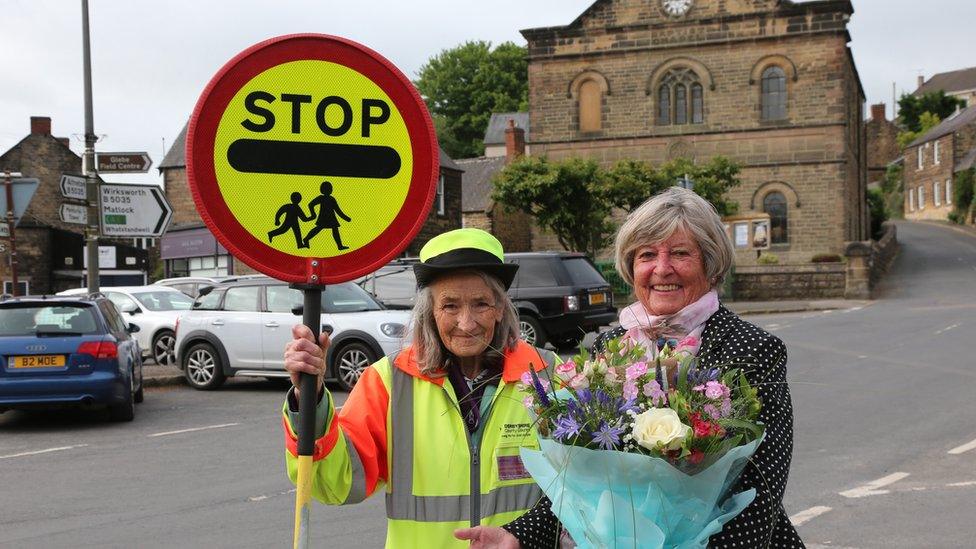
528	402
713	390
712	411
698	388
526	378
630	390
688	342
636	370
726	407
579	381
566	370
653	390
611	376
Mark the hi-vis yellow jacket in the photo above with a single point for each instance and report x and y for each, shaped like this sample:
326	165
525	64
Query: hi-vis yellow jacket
403	429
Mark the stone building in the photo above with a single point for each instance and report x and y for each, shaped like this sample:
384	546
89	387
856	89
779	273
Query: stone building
770	84
189	248
932	162
960	83
495	132
881	136
478	210
50	252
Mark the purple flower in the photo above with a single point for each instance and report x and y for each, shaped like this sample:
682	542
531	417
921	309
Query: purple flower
584	396
630	390
636	370
566	427
602	398
715	390
539	389
627	403
608	437
712	411
653	390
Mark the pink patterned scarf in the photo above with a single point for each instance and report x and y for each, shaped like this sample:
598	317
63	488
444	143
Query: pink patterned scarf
685	325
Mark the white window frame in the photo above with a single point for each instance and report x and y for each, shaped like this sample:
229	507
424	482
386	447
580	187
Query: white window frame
911	201
936	154
8	286
936	194
440	195
921	197
921	161
948	191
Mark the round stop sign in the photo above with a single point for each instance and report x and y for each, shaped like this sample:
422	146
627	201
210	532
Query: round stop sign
312	159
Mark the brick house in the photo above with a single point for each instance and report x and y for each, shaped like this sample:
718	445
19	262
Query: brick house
478	210
881	135
50	252
189	248
770	84
960	83
932	162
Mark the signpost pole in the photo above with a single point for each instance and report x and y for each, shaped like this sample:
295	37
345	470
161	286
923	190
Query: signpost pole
307	400
92	231
9	187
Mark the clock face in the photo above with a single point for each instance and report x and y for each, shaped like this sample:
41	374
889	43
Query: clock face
676	8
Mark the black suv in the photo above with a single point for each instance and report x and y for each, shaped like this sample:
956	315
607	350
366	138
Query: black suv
560	296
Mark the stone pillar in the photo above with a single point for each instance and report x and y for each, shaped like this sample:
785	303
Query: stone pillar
858	284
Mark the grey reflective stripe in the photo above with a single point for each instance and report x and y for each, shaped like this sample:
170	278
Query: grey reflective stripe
505	499
401	462
357	492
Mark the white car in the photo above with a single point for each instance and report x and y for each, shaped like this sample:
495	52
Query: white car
154	309
240	328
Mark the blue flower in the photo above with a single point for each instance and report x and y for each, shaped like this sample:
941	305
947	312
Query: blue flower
566	427
539	389
623	405
584	396
574	409
602	398
608	436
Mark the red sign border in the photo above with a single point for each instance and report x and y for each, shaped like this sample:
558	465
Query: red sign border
201	137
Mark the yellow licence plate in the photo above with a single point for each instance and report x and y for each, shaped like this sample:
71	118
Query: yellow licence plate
596	299
38	361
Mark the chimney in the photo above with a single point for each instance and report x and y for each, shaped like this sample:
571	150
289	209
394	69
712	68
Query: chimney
878	112
921	80
64	141
514	142
41	125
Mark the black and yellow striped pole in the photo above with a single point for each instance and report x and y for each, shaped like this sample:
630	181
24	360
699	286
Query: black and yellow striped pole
307	400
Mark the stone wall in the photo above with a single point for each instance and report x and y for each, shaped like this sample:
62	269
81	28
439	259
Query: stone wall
777	282
438	223
883	252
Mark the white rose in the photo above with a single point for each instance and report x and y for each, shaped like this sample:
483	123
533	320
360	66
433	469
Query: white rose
659	425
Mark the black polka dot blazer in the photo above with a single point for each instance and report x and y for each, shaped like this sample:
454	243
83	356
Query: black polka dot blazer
764	523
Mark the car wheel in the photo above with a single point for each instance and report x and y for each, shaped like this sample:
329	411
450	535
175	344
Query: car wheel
202	367
127	410
349	363
163	347
531	331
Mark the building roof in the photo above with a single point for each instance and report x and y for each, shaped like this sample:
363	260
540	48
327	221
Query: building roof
176	156
947	126
949	82
495	133
476	184
967	161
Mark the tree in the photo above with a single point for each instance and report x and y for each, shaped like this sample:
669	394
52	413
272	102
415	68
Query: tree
911	108
631	182
568	198
464	85
925	123
893	188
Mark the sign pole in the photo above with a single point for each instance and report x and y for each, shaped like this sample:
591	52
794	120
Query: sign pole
307	400
8	185
93	193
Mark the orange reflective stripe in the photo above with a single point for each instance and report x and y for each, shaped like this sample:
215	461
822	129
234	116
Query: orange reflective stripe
363	422
323	445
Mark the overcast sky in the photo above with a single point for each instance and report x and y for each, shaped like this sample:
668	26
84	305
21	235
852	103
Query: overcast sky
151	60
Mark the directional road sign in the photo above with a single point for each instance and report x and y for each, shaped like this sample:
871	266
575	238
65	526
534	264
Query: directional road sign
134	210
123	162
74	213
74	186
312	159
5	230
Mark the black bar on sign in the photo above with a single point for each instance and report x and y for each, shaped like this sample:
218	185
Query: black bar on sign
322	159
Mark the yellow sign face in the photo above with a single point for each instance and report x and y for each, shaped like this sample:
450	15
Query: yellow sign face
313	158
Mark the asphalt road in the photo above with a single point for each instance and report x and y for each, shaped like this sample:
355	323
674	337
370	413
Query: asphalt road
884	442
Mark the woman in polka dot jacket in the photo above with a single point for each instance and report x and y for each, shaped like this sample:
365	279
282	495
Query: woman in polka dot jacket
674	251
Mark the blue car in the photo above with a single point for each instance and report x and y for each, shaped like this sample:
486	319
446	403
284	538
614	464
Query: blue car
68	351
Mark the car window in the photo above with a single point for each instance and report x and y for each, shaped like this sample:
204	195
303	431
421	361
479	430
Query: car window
396	285
186	288
209	301
581	271
122	301
347	298
535	272
164	301
31	319
113	317
243	298
282	299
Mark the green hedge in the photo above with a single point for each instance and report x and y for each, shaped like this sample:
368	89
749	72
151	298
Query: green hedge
613	277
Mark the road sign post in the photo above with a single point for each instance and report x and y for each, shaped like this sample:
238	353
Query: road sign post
313	160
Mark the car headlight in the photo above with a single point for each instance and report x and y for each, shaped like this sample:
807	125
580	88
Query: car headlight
392	329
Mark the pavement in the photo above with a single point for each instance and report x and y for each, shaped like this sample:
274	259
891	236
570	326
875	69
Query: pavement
156	375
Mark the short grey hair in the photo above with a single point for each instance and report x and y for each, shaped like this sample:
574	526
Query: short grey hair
431	354
660	216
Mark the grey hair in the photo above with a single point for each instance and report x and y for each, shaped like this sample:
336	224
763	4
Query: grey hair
660	216
432	355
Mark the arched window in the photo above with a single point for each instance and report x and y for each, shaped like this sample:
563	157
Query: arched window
590	107
773	94
774	204
675	88
664	105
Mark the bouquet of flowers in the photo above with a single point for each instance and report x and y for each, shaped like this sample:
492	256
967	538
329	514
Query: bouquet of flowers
639	452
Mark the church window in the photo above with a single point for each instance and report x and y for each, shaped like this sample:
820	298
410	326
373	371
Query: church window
664	105
697	104
773	94
590	107
774	204
676	87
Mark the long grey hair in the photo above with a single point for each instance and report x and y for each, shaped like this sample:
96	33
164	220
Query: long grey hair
431	354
